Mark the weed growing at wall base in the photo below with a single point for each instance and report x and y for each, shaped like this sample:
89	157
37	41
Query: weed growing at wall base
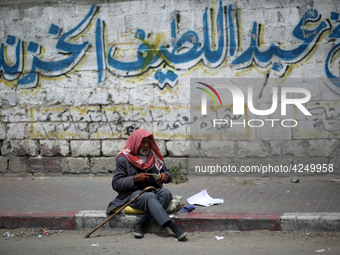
178	176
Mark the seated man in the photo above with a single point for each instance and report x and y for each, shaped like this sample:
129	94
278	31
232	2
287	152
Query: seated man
135	166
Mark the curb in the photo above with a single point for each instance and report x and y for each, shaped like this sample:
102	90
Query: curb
324	222
194	221
58	220
198	221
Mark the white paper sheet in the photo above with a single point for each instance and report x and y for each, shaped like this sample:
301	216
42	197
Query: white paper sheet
202	198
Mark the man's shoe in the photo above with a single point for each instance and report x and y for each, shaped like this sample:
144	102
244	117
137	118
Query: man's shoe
179	232
138	228
138	231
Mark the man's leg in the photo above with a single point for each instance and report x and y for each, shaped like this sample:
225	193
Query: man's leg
164	196
155	205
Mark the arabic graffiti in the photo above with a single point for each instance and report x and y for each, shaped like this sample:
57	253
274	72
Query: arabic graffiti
109	122
90	122
328	118
218	44
38	66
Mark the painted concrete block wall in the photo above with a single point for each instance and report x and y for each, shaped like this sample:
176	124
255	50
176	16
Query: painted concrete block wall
77	77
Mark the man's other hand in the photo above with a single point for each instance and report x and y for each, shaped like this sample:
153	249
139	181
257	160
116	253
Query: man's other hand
141	177
163	178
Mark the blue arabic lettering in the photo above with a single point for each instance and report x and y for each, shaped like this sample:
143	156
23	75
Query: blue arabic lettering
11	72
330	57
100	52
186	50
148	57
75	52
288	56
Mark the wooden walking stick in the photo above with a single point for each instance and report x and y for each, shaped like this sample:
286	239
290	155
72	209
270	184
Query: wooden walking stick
121	209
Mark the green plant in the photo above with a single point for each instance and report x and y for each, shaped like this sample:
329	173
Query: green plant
178	176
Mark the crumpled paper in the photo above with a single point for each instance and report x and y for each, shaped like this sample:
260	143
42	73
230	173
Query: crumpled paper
203	198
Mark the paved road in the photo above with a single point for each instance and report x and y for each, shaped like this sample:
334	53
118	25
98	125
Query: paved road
113	242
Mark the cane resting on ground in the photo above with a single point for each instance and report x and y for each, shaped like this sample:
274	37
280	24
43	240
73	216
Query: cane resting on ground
136	164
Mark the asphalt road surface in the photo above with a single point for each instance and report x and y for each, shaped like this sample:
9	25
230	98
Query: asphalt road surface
43	241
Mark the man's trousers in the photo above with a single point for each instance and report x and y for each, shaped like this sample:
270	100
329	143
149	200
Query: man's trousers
154	204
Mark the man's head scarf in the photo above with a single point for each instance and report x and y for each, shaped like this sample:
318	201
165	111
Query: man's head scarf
133	143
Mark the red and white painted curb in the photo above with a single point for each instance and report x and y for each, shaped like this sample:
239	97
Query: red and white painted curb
64	220
193	221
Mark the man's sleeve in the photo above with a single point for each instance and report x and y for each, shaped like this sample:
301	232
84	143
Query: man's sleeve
167	172
122	179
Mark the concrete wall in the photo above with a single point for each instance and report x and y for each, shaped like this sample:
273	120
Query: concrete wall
78	78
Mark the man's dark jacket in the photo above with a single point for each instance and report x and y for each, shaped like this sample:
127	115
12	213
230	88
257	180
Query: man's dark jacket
123	183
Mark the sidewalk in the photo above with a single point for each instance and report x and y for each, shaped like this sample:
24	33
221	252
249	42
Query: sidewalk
80	202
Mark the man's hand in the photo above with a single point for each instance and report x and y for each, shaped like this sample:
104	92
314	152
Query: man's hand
163	178
141	177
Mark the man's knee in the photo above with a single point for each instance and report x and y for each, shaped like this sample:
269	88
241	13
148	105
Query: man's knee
149	195
164	193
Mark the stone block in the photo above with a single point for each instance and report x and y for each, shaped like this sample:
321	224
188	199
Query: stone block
141	96
24	147
55	95
75	165
9	97
236	132
98	96
322	148
162	147
170	162
169	130
86	114
73	131
178	148
281	147
52	148
17	131
103	130
112	147
5	148
251	149
211	149
300	147
3	165
117	113
17	165
119	96
2	131
87	78
273	130
36	99
72	96
50	114
15	115
43	130
85	148
44	165
102	165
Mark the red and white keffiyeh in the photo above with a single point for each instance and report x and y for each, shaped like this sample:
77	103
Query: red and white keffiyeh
131	150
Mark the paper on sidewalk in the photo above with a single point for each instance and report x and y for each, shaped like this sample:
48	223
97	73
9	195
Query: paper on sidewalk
202	198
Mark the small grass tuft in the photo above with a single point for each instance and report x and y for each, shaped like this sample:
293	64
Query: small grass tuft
178	177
